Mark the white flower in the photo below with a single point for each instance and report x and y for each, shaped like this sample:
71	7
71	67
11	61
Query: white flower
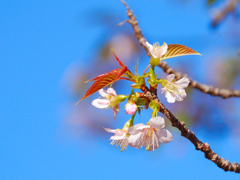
175	90
156	50
120	138
109	95
150	136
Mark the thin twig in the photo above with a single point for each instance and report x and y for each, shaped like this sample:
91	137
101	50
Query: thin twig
185	132
229	8
224	93
137	31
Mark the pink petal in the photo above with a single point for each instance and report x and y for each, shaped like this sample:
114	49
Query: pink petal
164	136
183	83
115	111
179	95
151	49
170	97
164	49
182	94
103	93
143	127
134	129
118	134
157	122
163	89
131	108
160	51
111	130
133	140
101	103
111	91
118	137
149	46
170	77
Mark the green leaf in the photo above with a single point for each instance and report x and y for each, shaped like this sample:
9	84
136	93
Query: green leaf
139	111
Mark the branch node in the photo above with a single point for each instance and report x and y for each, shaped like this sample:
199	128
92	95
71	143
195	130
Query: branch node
121	23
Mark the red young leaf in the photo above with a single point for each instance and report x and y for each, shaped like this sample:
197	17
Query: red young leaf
129	73
96	78
128	79
175	50
103	81
118	60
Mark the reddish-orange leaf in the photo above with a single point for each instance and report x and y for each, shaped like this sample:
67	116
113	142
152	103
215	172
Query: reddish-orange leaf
118	60
122	65
103	81
128	79
175	50
121	73
117	71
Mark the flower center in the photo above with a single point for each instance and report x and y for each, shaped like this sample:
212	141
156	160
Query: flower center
149	138
172	87
156	48
156	45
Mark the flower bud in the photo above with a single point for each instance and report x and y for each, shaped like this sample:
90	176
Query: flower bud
130	107
139	84
117	99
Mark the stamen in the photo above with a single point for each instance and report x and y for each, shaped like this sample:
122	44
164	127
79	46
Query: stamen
173	88
121	141
156	44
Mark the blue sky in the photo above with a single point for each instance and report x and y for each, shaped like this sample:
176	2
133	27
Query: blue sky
40	39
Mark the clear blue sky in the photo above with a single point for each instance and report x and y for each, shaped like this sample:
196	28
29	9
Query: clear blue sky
39	40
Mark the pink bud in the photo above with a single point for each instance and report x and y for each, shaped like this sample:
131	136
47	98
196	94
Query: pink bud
130	108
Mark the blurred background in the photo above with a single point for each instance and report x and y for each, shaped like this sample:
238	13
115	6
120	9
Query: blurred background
49	48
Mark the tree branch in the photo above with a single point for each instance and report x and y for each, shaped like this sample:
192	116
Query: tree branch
137	31
224	93
229	8
185	132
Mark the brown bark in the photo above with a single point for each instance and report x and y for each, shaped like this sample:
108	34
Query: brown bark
185	132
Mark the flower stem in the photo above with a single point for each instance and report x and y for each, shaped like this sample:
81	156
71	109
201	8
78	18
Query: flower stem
146	68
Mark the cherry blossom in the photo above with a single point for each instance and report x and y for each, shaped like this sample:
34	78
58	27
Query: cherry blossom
151	135
156	50
175	90
120	138
105	103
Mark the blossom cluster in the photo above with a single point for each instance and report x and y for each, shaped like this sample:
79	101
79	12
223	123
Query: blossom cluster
150	136
153	133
